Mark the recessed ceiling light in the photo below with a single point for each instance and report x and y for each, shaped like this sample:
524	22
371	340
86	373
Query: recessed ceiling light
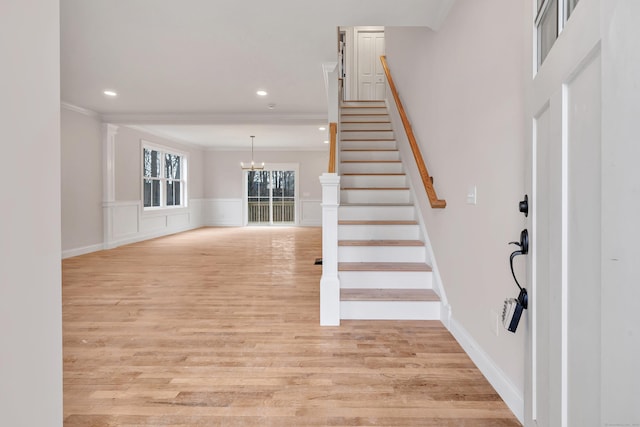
322	128
261	93
110	93
326	142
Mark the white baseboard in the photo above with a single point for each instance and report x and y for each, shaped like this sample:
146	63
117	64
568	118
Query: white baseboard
496	377
69	253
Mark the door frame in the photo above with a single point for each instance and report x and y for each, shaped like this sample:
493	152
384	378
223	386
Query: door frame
351	60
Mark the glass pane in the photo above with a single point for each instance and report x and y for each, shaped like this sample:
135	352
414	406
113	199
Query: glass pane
571	4
258	196
547	31
155	200
172	166
151	163
151	190
170	200
146	184
173	193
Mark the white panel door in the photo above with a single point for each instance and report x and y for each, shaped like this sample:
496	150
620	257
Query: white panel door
371	80
565	296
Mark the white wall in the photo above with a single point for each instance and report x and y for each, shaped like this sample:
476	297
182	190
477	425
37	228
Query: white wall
463	90
620	206
224	186
81	156
30	290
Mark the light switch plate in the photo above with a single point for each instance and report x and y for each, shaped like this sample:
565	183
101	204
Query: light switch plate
472	195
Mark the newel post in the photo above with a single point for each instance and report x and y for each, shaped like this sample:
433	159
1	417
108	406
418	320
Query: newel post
329	283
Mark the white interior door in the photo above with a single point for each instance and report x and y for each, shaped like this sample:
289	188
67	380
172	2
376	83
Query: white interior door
566	225
371	80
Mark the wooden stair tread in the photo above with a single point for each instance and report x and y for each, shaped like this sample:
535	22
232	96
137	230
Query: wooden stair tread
368	149
376	188
375	174
364	114
380	243
376	222
376	204
366	130
364	122
371	161
383	266
388	295
367	139
364	106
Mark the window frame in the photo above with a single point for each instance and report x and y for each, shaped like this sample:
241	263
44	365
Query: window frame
163	179
564	12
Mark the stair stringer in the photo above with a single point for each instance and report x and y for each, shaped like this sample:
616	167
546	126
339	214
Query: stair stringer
421	203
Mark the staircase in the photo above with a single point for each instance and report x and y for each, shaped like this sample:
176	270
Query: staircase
382	259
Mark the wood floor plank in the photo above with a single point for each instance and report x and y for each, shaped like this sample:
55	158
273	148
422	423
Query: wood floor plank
220	327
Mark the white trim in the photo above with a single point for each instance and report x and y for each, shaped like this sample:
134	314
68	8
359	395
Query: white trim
69	253
75	108
496	377
319	148
163	209
212	119
163	135
327	69
564	299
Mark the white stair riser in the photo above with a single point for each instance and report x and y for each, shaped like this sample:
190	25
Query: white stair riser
365	110
356	125
359	145
390	310
369	155
378	232
373	181
373	213
363	103
386	279
373	135
375	196
371	167
382	254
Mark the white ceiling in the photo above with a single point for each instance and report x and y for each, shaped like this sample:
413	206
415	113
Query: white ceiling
190	69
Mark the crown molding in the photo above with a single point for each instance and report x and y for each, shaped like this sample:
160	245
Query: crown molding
211	119
81	110
267	149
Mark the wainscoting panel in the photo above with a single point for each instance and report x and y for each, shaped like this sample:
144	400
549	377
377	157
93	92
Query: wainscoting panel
129	223
311	213
223	212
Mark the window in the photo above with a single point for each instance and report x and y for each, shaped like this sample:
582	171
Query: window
164	178
271	196
551	17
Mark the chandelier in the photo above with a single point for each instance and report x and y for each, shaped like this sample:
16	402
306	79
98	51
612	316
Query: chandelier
253	166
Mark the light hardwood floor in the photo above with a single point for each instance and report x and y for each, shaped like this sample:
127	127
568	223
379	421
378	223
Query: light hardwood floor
220	327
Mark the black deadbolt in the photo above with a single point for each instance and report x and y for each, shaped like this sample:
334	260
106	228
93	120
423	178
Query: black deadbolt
523	206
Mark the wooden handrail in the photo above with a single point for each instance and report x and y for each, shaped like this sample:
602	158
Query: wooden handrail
333	132
417	155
